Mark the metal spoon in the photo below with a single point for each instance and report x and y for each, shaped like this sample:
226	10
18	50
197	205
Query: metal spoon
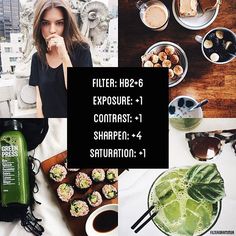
200	104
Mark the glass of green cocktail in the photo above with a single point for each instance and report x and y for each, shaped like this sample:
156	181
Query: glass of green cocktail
184	207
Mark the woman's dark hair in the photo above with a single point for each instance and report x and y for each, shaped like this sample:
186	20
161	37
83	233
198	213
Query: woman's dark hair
71	32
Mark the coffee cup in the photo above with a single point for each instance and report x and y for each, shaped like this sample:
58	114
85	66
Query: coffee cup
154	14
180	114
214	45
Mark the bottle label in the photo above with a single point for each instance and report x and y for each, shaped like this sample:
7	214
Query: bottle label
9	154
9	164
13	169
9	151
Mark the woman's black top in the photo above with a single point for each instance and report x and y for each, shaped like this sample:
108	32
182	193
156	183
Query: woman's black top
51	81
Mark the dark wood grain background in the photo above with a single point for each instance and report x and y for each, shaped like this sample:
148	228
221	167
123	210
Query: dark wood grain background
217	83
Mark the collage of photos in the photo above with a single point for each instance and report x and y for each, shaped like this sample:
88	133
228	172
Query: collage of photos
40	194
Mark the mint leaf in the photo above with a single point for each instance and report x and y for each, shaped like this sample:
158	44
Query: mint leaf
205	183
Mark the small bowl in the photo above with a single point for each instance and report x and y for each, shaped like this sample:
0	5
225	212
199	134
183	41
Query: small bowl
89	223
179	115
183	61
183	110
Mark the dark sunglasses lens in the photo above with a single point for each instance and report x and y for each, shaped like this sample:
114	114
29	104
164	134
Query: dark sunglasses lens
204	148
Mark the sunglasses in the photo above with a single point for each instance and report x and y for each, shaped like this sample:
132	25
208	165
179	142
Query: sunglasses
207	145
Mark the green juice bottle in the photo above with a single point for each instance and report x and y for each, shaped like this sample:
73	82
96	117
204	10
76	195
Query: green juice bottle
14	174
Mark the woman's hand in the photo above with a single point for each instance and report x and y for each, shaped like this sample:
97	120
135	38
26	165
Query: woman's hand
57	41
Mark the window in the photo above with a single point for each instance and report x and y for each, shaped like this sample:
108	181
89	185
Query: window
13	59
7	49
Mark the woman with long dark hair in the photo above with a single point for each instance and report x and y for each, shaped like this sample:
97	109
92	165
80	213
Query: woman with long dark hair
59	45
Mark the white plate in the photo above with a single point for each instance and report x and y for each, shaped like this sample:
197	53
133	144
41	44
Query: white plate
198	22
89	223
180	52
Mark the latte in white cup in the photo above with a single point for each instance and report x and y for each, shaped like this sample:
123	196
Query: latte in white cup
154	14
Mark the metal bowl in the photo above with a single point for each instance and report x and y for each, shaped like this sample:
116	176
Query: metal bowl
183	61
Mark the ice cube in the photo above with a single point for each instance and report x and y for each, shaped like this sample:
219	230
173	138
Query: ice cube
164	192
191	223
205	215
173	212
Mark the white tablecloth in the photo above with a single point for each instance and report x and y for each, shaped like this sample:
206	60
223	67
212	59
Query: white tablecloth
134	184
49	211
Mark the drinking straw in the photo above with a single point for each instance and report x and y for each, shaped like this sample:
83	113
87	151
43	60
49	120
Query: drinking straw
142	217
145	222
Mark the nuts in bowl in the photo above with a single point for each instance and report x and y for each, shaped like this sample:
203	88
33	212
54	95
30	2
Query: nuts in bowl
170	55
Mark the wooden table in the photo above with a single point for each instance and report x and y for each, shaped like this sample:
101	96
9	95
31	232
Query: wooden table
217	83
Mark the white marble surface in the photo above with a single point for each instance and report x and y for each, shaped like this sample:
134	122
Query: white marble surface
134	184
